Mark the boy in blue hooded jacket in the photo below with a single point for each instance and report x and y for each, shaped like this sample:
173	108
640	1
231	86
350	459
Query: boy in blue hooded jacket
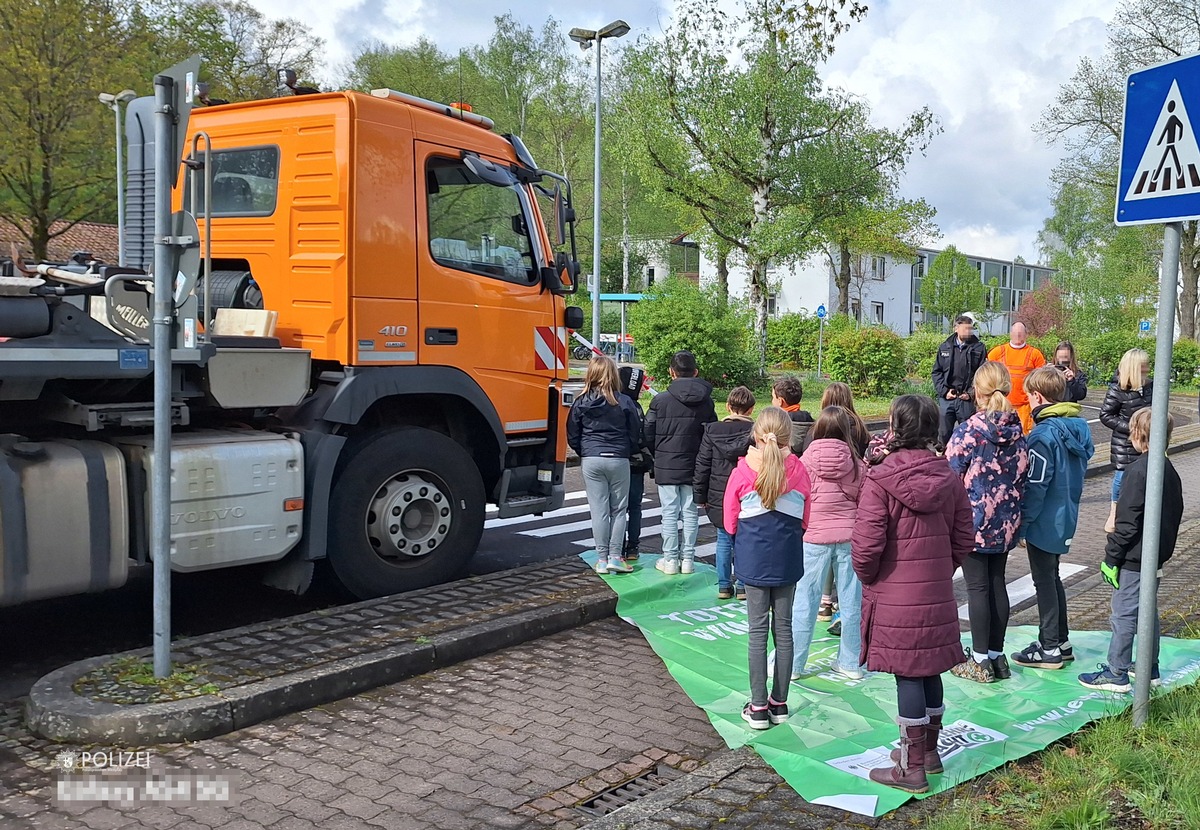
1059	448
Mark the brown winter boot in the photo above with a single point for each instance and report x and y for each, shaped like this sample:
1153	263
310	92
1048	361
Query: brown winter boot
909	772
933	731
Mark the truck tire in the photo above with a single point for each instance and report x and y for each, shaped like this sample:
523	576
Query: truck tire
406	512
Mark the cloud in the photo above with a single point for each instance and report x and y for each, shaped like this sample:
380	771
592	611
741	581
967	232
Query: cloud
987	71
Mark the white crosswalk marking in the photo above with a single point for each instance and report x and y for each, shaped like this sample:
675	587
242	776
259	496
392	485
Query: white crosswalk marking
573	527
652	530
1022	589
553	514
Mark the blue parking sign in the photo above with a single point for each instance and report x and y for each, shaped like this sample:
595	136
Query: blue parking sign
1144	325
1159	177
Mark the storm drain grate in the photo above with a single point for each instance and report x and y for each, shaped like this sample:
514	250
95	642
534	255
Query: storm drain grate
619	796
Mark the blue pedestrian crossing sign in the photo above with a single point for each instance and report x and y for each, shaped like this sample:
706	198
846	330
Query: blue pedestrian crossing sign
1159	177
821	311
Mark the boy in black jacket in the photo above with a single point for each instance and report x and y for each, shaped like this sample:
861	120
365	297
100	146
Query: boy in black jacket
632	381
674	426
723	444
1123	556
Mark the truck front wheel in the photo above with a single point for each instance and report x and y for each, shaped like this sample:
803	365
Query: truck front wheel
406	512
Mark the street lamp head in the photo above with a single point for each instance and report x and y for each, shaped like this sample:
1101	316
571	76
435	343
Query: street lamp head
618	28
107	98
125	96
583	37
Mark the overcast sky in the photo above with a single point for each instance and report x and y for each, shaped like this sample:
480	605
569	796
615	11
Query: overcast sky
987	69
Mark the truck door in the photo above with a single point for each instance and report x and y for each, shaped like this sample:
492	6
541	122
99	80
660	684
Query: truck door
482	307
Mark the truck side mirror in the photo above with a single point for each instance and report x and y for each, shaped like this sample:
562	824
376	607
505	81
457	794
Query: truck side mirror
573	317
561	277
560	217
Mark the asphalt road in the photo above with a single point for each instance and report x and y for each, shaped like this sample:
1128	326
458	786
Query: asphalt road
38	638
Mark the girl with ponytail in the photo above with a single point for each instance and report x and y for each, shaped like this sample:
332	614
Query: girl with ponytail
989	453
765	505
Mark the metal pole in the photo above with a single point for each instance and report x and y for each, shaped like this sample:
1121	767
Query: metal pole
1157	463
820	342
160	485
120	189
596	208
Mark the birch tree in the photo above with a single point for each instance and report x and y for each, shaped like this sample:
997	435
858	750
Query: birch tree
728	117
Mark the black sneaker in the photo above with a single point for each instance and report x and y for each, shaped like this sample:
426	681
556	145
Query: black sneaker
777	712
1033	656
757	718
1067	651
632	552
1000	668
835	630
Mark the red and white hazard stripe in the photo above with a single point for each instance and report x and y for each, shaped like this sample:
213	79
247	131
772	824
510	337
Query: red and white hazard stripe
549	348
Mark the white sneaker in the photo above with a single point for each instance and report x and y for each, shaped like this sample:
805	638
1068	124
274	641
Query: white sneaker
687	567
601	566
850	674
667	566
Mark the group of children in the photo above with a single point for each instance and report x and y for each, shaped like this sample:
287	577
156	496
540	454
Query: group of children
894	517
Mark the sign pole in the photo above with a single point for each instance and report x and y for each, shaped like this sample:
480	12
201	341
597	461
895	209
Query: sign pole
1148	596
820	343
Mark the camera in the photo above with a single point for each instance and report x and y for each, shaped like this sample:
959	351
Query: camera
1062	367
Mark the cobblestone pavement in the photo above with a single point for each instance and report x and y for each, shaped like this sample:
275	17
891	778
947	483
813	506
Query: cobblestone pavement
515	739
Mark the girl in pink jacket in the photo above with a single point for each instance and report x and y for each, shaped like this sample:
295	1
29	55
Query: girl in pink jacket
764	507
837	474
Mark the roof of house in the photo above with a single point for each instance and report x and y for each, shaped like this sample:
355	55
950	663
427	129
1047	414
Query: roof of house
97	238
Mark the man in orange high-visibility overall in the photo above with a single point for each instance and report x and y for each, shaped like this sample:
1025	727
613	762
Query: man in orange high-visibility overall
1021	359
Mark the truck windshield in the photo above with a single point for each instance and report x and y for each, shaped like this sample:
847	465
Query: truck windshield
479	227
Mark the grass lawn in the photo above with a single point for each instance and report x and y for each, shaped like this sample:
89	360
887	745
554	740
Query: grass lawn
1109	775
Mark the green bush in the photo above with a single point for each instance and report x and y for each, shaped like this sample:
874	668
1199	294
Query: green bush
1185	361
920	352
1100	355
871	359
677	315
792	339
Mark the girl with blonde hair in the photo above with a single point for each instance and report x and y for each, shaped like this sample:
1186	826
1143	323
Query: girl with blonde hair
764	509
988	451
1130	391
604	429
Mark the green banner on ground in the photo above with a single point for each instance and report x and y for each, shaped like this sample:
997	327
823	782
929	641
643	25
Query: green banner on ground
840	729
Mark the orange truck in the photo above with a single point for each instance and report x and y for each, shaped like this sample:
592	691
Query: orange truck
377	349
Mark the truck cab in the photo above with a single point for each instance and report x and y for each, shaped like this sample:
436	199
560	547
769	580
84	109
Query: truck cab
398	249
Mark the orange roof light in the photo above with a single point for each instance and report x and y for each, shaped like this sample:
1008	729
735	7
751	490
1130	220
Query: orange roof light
458	105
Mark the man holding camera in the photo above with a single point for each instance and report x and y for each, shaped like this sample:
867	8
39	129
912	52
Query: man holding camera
954	375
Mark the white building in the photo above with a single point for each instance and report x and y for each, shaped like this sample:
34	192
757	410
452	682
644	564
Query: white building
883	290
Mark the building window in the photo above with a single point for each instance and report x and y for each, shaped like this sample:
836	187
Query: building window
878	270
877	313
856	310
772	304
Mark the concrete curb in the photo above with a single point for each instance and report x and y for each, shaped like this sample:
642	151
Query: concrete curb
1107	466
54	710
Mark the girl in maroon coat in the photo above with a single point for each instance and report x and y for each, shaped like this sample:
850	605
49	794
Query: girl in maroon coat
913	529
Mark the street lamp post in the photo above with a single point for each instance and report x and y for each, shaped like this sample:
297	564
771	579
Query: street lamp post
114	102
585	38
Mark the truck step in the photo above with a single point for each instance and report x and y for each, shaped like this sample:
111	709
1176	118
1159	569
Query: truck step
524	506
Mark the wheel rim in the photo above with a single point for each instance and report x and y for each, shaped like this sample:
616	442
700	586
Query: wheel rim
409	518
